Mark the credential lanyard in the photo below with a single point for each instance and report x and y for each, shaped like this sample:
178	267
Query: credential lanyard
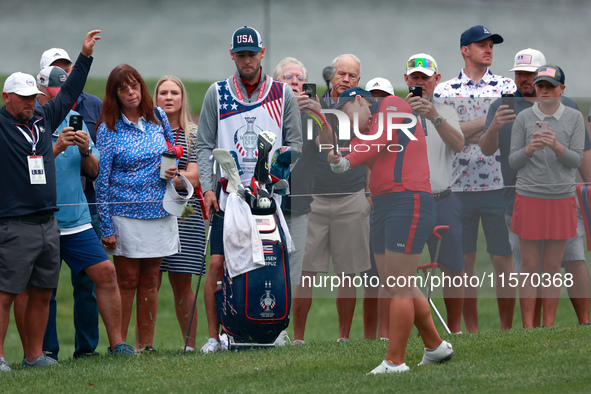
32	138
239	93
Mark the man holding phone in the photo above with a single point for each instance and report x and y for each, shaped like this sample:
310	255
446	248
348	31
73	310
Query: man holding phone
80	248
497	135
444	137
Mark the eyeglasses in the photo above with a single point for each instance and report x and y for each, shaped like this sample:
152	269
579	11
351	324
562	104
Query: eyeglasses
125	88
422	62
289	77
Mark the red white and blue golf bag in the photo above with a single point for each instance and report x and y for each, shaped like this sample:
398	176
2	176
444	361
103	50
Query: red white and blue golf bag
253	308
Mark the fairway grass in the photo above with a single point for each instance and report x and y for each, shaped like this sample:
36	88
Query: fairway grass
552	359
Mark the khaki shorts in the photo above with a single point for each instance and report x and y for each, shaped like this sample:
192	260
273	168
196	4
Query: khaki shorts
338	227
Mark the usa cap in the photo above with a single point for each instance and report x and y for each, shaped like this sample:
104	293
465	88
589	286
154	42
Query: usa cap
246	39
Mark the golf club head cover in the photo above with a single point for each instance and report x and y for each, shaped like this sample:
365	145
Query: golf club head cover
282	160
265	143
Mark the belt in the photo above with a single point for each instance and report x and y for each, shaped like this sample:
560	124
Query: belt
30	219
441	195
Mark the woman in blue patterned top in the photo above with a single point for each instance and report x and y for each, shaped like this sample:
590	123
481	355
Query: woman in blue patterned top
135	228
171	95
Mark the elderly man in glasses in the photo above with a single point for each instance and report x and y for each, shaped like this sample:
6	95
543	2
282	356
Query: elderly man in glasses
478	179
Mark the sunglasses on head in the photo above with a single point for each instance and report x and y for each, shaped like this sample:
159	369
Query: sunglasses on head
421	62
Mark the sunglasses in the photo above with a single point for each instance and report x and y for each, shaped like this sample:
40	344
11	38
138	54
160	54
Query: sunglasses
422	62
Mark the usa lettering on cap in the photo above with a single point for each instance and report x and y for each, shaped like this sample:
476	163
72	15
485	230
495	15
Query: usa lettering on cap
244	39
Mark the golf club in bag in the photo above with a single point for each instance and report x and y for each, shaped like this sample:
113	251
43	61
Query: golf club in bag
254	307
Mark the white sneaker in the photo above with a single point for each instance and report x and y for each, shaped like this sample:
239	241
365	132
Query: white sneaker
440	354
211	346
224	341
4	365
385	367
282	339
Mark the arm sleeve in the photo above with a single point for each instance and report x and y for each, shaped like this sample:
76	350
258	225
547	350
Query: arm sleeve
573	153
517	156
106	144
57	109
207	137
292	124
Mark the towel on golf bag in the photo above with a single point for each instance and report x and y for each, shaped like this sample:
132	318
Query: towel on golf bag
243	247
584	196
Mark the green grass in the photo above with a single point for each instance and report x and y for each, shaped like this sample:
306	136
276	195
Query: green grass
550	360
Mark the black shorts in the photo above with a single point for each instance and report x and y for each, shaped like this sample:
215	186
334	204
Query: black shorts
29	253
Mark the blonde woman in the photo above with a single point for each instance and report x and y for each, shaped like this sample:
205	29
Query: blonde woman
171	96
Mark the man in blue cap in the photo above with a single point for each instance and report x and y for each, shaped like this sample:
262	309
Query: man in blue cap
234	112
478	179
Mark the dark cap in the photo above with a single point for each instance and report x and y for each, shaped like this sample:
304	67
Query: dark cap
478	33
550	73
246	39
350	94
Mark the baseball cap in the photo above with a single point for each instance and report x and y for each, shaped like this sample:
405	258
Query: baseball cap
173	202
52	78
421	62
478	33
379	84
246	39
21	84
528	60
351	93
51	55
550	73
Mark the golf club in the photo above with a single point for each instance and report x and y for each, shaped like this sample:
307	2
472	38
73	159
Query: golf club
282	184
204	263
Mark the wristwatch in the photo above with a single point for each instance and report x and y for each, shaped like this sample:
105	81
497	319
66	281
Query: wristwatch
88	152
437	121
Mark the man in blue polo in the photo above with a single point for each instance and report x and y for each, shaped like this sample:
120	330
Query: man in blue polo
478	180
85	307
497	135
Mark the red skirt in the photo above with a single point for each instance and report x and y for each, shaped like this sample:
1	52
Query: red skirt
535	218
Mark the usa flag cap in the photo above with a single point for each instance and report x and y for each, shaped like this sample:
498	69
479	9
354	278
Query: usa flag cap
550	73
246	39
528	60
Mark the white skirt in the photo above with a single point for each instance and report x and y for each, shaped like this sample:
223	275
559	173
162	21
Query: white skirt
145	238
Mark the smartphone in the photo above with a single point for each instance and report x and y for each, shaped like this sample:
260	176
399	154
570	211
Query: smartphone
76	122
416	90
310	90
541	126
508	99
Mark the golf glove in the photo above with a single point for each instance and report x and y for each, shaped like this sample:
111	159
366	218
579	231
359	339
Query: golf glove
344	165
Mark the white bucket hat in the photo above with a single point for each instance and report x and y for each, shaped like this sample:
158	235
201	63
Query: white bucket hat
173	202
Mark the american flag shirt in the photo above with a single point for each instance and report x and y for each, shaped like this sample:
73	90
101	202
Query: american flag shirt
472	171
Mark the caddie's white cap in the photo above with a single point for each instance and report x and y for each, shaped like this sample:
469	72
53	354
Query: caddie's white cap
528	60
173	202
51	55
21	84
379	84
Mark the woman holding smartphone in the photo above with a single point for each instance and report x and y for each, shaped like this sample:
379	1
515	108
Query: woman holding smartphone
546	149
134	226
171	96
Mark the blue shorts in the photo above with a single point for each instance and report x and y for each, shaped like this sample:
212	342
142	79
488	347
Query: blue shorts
490	206
451	254
217	234
82	250
402	221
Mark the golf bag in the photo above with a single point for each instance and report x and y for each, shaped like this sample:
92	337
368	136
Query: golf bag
253	308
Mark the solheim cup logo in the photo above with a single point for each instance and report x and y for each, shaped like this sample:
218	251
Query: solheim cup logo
249	140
